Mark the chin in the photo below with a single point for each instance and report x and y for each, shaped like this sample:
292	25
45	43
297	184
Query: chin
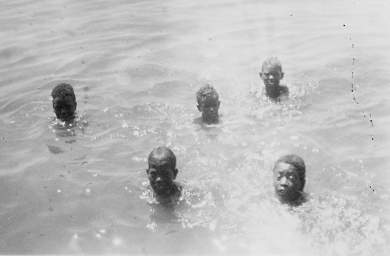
289	197
161	191
66	118
213	119
271	86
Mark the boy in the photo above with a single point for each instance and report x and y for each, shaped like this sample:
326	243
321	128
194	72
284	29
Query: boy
208	104
161	173
271	74
289	179
64	102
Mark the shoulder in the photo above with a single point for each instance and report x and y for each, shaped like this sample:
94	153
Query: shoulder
302	199
178	186
284	90
283	93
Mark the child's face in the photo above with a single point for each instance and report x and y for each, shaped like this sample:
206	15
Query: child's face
287	183
161	174
271	75
64	107
209	108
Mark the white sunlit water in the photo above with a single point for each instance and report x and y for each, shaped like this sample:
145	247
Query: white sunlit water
135	67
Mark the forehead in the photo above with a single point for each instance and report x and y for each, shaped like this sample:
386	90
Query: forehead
282	167
271	68
162	159
209	99
62	100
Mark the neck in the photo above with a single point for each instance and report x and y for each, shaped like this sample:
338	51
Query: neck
273	91
69	119
210	121
292	199
168	195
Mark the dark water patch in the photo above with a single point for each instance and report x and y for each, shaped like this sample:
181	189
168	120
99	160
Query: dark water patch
148	71
169	88
11	54
55	149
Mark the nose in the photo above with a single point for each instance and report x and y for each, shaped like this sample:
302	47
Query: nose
283	181
271	76
158	179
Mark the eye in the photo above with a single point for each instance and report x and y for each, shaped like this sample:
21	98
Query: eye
165	174
162	168
152	173
292	177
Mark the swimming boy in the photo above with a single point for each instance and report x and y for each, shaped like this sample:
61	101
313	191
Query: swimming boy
208	104
64	102
289	179
161	174
271	74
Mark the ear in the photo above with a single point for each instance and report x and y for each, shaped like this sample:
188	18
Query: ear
147	171
175	171
198	108
219	103
303	181
261	75
281	75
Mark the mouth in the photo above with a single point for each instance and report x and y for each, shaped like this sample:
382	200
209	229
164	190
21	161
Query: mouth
211	116
65	117
270	83
161	187
282	190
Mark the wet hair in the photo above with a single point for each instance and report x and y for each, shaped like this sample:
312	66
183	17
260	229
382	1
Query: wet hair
272	61
166	152
205	92
62	90
298	163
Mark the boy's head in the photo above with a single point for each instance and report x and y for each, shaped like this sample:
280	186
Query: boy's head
162	170
289	177
64	102
271	72
208	103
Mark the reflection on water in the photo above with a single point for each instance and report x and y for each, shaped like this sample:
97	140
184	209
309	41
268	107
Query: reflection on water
193	209
339	224
135	67
66	131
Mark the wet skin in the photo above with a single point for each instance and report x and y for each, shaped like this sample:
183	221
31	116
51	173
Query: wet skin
209	108
271	76
288	186
161	174
64	108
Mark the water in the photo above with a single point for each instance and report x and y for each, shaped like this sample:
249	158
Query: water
135	67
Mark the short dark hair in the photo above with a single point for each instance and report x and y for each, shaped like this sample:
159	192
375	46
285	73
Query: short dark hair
205	92
62	90
298	163
162	150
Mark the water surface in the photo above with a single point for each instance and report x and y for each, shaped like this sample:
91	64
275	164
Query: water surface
135	67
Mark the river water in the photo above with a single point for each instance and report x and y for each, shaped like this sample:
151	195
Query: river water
135	67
